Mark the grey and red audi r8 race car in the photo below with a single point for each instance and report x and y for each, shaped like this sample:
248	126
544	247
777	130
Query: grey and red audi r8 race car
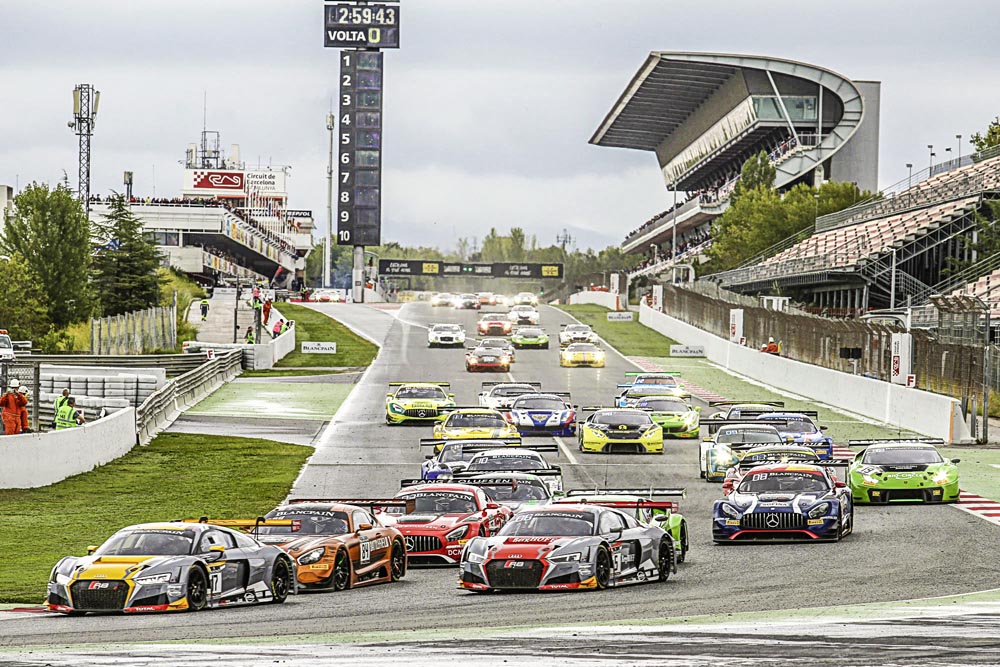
565	546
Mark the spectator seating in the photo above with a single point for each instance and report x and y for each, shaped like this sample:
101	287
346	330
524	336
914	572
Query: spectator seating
986	288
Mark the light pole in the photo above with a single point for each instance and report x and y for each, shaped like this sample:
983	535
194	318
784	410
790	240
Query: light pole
673	238
947	150
909	179
959	137
930	147
329	205
85	103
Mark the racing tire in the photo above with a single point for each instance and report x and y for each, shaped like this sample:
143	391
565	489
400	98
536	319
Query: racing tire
665	561
281	581
397	562
340	579
682	556
602	567
197	589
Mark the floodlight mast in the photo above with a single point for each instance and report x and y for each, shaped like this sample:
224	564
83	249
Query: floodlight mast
85	103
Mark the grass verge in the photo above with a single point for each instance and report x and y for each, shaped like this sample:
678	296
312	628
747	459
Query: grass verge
310	325
175	476
628	337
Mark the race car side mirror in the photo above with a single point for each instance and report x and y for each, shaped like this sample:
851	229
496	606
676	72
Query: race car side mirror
697	408
956	460
840	484
823	428
91	549
388	395
429	457
661	518
451	395
217	548
364	526
492	506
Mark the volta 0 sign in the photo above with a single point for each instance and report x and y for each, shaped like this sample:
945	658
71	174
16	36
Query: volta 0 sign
361	26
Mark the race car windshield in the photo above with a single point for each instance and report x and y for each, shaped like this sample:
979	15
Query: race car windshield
529	333
421	392
513	391
582	347
619	418
441	502
745	436
798	426
577	328
487	463
550	524
523	309
663	405
476	421
881	456
785	481
453	454
737	413
524	490
446	328
308	522
495	343
149	543
539	404
664	381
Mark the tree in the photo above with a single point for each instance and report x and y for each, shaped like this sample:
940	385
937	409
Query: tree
752	223
757	172
50	230
125	263
988	139
22	309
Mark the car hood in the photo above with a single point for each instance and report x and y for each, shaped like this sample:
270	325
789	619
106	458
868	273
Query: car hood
751	502
429	520
530	547
119	567
298	545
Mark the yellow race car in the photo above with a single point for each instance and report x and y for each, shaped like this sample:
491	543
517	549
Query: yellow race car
582	354
417	402
620	431
465	423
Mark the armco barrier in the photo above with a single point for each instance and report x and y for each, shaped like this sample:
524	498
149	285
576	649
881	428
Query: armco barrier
911	409
609	300
161	409
175	364
40	459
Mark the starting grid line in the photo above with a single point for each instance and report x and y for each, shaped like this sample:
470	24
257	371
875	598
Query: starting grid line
983	508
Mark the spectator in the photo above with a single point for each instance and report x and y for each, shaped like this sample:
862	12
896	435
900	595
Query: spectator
23	412
11	404
68	416
266	312
277	330
771	347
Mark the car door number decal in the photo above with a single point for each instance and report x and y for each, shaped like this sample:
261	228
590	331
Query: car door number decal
366	552
215	580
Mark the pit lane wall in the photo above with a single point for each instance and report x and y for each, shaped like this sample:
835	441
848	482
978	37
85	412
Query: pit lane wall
908	408
39	459
609	300
260	356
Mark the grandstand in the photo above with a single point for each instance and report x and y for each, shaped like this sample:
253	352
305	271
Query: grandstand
229	222
705	114
891	250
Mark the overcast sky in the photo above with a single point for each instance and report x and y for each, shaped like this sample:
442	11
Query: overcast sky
489	104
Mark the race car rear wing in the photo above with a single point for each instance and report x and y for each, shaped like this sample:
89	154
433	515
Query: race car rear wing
401	384
246	525
776	404
405	483
868	442
714	424
560	394
646	498
837	467
367	502
468	477
648	492
484	385
812	414
453	408
632	374
472	445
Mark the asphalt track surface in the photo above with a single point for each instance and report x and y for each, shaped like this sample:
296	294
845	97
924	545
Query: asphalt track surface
895	553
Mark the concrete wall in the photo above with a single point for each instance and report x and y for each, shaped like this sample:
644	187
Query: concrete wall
40	459
606	299
260	356
911	409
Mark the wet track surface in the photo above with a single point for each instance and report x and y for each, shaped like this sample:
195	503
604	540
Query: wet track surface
895	553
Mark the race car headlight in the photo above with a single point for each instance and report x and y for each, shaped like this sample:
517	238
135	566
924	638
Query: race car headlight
819	510
162	578
724	457
729	510
566	558
396	408
941	477
474	557
456	534
311	556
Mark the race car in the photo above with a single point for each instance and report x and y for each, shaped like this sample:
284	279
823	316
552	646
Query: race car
721	451
523	315
543	414
493	324
529	337
470	423
800	428
445	335
500	344
466	302
756	455
487	298
439	518
525	299
518	459
500	395
171	566
649	384
417	402
619	431
485	358
646	506
677	417
740	410
515	490
443	299
582	354
785	501
903	471
568	546
336	545
452	456
576	333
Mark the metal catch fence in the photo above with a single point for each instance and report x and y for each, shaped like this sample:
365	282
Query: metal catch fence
139	332
27	374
